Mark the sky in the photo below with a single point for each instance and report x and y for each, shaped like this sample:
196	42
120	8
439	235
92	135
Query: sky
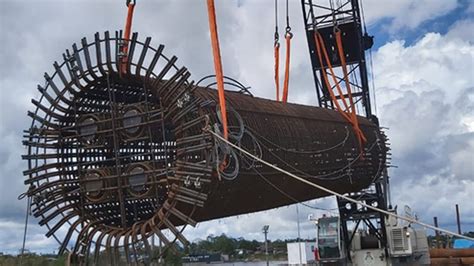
423	66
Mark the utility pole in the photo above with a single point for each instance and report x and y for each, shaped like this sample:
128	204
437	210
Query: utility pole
265	231
299	236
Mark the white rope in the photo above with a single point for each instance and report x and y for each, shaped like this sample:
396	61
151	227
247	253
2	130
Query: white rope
408	219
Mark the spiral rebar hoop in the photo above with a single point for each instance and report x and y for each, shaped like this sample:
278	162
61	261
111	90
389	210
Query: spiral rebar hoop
108	153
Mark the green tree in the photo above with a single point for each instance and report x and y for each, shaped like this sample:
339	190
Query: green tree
225	244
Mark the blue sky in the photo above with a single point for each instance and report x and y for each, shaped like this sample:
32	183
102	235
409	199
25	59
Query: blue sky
424	76
440	24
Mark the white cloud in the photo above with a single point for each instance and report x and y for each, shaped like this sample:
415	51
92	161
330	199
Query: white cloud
434	62
12	235
406	13
462	29
425	97
428	195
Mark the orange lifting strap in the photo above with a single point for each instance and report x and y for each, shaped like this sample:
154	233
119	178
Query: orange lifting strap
286	82
349	112
211	10
277	69
342	58
288	36
128	28
360	134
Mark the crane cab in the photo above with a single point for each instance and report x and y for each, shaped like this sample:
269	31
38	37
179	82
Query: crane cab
330	247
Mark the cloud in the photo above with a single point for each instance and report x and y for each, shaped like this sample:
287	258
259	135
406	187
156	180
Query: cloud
12	235
470	8
425	94
462	29
406	14
434	62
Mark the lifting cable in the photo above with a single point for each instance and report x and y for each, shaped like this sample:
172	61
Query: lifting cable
217	63
276	48
126	36
334	193
350	117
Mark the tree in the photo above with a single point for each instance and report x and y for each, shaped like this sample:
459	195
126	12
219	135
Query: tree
225	244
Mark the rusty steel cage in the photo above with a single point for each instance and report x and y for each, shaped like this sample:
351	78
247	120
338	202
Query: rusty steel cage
115	159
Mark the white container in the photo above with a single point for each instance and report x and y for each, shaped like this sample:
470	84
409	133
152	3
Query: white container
301	253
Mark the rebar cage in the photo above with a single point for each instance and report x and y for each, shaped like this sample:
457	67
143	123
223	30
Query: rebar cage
116	159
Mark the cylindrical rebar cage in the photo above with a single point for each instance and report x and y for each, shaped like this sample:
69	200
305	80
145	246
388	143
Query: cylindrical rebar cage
115	159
